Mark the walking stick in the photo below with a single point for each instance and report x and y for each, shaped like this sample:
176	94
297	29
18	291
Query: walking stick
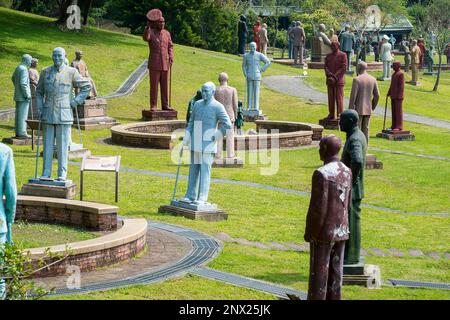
170	86
37	149
178	173
385	111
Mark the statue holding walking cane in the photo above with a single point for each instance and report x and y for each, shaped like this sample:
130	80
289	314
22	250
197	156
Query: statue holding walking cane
160	62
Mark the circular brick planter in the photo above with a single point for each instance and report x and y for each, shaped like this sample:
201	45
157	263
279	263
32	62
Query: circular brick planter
160	135
116	246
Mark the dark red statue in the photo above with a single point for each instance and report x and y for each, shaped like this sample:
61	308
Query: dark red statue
335	67
160	58
256	29
327	222
396	92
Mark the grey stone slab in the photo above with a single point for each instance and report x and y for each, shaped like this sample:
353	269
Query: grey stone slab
378	252
415	253
278	246
303	247
433	255
396	252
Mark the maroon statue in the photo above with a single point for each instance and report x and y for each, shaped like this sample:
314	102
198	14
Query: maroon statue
160	58
396	92
327	222
335	67
256	29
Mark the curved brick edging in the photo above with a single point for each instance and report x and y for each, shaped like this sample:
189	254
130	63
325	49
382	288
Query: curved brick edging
159	135
89	215
110	249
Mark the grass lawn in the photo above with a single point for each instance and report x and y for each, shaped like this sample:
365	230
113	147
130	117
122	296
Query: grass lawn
407	183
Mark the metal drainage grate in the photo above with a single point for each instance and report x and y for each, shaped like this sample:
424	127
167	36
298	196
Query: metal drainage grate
417	284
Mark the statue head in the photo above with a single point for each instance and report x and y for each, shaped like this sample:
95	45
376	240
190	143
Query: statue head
26	60
347	28
335	46
208	90
321	27
223	78
297	23
252	46
198	95
78	54
396	66
361	67
59	54
348	120
160	24
34	63
243	18
329	147
385	38
258	23
264	25
414	43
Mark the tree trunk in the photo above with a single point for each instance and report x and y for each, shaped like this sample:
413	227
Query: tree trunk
436	84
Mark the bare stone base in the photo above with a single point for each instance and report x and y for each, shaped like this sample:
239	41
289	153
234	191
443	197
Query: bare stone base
21	142
330	124
367	275
372	162
235	162
210	216
156	115
40	190
96	123
396	135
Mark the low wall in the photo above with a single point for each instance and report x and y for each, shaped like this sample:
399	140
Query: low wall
286	126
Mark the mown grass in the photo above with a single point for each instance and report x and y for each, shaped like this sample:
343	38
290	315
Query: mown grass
406	182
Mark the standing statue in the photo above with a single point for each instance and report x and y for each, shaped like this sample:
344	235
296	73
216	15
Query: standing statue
298	35
320	45
415	63
407	51
160	58
347	42
202	135
335	67
327	222
242	34
81	66
396	92
291	40
194	99
33	74
429	61
8	209
256	29
251	66
386	57
323	36
239	118
228	97
22	96
447	52
364	97
392	41
421	45
54	100
263	39
354	157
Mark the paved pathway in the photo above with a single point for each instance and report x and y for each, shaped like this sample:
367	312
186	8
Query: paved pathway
295	86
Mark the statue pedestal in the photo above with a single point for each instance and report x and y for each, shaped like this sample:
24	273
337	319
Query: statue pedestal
316	65
402	135
253	115
383	79
92	115
330	124
234	162
194	212
49	188
21	141
156	115
367	275
372	162
414	83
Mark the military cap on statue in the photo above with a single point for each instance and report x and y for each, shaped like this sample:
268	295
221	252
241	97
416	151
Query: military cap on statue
154	15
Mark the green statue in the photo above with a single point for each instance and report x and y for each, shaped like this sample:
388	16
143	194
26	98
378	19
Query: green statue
198	96
239	123
354	157
429	59
22	96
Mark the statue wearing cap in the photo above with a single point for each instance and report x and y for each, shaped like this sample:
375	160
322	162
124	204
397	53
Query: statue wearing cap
160	58
386	57
22	96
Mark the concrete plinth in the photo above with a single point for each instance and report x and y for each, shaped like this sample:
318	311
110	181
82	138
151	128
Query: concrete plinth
234	162
92	115
372	162
396	135
210	215
366	275
157	115
50	191
21	141
330	124
253	115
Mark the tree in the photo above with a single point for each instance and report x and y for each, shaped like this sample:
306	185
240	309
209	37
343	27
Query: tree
438	22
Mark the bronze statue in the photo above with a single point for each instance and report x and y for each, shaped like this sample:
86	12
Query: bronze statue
81	66
327	222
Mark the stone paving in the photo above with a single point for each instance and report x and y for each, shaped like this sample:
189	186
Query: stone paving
304	247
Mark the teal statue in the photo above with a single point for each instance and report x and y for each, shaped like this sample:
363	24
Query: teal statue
8	208
202	135
194	99
429	59
239	118
251	66
354	157
22	95
55	101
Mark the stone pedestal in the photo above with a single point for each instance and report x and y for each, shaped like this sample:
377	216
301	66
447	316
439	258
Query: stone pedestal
414	83
234	162
253	115
330	124
193	212
20	141
156	115
92	115
361	274
319	50
316	65
402	135
50	189
383	79
372	162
